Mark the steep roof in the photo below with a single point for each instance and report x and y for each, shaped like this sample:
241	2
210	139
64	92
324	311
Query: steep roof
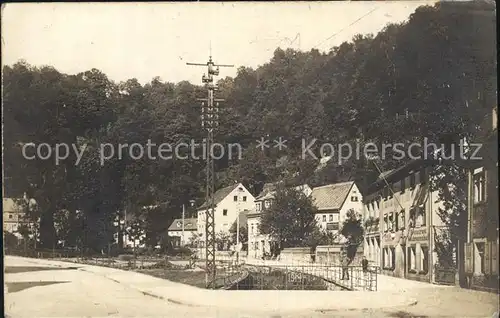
220	195
189	225
269	191
331	196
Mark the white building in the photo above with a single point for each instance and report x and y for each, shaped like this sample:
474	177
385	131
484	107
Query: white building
183	236
333	201
229	203
14	214
259	243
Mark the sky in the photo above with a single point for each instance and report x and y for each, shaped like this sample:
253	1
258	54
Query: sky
144	40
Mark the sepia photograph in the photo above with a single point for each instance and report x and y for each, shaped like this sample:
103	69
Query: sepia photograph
250	159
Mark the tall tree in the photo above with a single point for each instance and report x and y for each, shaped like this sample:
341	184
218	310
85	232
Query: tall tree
290	218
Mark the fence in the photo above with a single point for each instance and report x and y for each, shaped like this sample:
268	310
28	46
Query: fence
301	272
297	277
328	268
125	262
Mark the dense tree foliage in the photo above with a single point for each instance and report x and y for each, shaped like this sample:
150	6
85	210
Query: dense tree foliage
433	76
290	219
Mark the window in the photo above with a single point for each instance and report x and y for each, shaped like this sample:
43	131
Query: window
401	220
421	217
258	206
224	212
385	259
389	258
412	258
479	258
494	116
393	257
10	216
324	218
267	203
235	198
252	229
386	223
331	218
354	199
479	187
390	222
244	199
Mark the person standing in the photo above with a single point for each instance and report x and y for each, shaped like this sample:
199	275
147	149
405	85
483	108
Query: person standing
364	264
345	264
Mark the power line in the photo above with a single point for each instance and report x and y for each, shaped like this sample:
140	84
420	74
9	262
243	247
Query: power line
352	23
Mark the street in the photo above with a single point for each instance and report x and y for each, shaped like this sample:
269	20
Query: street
72	291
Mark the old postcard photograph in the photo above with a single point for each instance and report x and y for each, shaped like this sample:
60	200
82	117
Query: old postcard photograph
250	159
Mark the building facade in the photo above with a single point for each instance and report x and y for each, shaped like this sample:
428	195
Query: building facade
14	216
333	201
400	217
259	243
230	202
180	235
481	249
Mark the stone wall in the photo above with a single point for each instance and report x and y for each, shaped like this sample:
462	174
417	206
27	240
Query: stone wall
325	254
296	254
330	254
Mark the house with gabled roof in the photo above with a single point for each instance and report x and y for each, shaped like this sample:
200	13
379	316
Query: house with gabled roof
230	202
258	243
333	201
182	235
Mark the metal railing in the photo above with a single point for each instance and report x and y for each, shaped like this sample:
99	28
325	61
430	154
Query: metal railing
333	272
296	277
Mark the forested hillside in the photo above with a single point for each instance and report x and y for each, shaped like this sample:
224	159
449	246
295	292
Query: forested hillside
433	76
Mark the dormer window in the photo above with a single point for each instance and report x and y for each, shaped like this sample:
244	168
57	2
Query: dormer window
267	203
178	224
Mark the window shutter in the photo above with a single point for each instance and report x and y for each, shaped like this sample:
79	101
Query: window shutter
487	258
468	258
494	258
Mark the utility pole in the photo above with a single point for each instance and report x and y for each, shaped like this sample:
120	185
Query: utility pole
210	121
183	218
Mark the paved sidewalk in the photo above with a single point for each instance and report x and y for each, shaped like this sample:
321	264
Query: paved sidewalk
254	301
